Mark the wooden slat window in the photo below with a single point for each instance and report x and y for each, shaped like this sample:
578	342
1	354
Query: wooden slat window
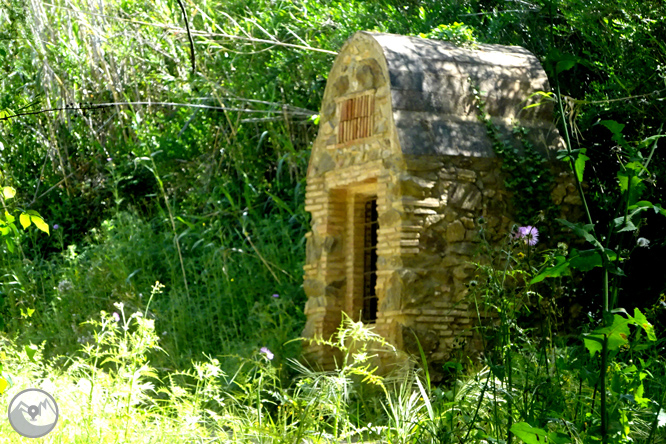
356	118
370	226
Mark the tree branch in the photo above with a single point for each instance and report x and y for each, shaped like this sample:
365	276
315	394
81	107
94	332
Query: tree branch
189	35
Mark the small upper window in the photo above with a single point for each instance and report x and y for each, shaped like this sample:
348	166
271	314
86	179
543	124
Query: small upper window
356	118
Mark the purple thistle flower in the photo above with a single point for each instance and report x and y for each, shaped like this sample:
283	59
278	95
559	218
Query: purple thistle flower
529	234
116	317
276	295
267	352
56	226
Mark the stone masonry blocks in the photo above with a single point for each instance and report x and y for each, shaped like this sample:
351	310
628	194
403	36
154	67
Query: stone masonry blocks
420	151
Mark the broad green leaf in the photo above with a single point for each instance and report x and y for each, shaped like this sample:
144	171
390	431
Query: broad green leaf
627	224
563	155
30	350
40	224
617	334
630	182
636	167
641	204
8	192
588	259
614	127
593	343
581	230
585	260
565	65
641	321
28	313
25	220
646	205
638	396
529	434
624	224
647	141
580	164
3	384
9	217
559	438
10	244
635	209
561	268
563	61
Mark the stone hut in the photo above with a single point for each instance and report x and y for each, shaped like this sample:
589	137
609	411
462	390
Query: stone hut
401	170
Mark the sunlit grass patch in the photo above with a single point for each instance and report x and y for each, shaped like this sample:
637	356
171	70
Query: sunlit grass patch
106	393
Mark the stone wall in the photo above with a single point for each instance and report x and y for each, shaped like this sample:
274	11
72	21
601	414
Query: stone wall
337	173
428	209
442	200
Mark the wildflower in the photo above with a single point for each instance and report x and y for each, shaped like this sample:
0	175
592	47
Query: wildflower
529	234
116	316
642	242
64	286
267	352
56	226
276	295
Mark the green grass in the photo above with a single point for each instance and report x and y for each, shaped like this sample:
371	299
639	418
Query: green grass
109	392
210	204
224	311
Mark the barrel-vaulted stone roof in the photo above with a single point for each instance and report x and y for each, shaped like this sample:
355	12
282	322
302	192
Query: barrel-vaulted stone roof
431	93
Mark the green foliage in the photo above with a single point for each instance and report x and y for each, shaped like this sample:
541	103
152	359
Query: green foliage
7	230
610	252
539	390
457	33
611	337
533	435
241	154
527	173
107	383
204	192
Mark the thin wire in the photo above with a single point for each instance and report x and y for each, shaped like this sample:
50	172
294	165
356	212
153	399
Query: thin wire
264	102
187	105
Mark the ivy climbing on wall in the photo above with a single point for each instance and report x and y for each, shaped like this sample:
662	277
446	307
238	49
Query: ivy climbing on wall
528	176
